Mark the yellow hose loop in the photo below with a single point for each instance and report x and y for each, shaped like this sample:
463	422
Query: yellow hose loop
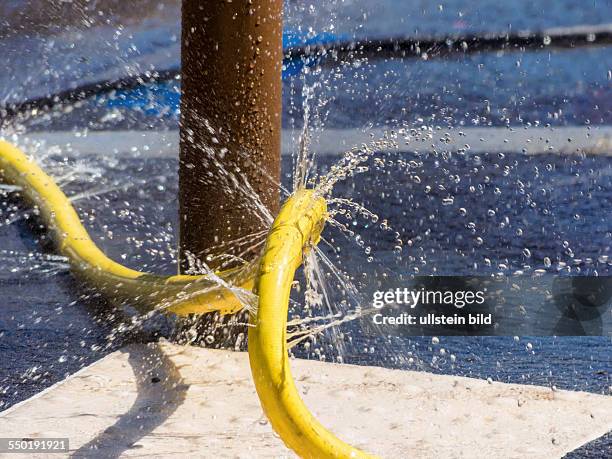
297	226
179	294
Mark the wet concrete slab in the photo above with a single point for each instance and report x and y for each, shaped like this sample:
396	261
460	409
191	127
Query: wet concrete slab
162	400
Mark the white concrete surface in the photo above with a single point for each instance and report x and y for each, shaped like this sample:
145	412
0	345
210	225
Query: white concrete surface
172	401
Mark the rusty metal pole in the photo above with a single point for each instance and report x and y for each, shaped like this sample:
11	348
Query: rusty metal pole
230	122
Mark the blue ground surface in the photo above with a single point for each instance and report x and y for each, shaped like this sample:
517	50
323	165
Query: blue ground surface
48	321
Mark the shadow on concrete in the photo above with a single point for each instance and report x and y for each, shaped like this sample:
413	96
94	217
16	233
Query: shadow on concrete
160	392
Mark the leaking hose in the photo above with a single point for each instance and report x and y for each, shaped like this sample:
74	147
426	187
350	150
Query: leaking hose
298	226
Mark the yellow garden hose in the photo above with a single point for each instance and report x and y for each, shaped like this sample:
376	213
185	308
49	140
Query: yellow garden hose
297	227
180	294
